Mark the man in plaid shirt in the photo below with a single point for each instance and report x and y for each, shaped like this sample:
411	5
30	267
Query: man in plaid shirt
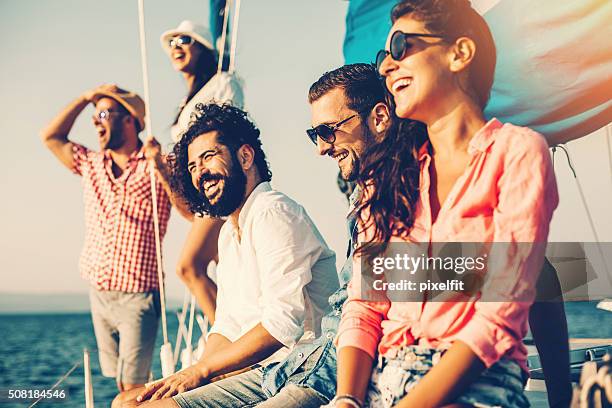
119	254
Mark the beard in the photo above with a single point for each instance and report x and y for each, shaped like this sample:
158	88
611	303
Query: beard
351	174
115	138
230	194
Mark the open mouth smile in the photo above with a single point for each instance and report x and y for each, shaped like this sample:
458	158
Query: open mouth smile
340	156
401	84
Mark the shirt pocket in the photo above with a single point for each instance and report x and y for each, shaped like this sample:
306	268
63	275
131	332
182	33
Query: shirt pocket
140	205
139	189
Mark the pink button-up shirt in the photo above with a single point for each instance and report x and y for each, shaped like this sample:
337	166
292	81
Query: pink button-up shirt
507	194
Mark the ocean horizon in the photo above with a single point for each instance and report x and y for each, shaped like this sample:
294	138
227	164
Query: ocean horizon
38	348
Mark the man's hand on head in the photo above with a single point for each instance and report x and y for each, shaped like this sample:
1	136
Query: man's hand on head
89	95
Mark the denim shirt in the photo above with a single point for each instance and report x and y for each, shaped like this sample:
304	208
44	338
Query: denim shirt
318	357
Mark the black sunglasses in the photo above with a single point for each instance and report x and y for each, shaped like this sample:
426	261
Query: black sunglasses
327	133
180	40
399	45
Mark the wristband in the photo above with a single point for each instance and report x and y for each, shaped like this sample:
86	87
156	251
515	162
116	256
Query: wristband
348	399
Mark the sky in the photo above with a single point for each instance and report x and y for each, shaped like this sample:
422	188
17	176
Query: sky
53	51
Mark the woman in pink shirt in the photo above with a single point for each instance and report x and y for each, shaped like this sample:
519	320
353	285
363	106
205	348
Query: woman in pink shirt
479	182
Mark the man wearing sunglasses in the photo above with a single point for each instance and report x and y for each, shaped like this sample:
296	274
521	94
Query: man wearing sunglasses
348	113
118	257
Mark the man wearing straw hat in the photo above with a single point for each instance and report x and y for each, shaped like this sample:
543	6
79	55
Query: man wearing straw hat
119	255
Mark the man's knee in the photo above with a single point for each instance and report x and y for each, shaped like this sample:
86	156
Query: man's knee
122	400
129	387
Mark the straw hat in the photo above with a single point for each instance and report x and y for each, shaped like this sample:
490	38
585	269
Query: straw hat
196	31
129	100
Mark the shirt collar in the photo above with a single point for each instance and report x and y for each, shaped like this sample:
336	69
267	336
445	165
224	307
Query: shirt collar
484	137
262	187
136	154
354	198
480	142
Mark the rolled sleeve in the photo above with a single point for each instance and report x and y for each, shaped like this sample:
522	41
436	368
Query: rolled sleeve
80	155
528	195
287	249
224	328
495	329
361	324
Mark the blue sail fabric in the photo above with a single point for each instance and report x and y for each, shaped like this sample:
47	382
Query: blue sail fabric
217	11
554	60
217	14
367	24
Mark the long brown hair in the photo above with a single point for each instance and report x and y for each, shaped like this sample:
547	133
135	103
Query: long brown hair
389	181
390	174
206	68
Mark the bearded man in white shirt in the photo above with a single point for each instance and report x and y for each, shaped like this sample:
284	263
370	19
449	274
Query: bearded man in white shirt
275	271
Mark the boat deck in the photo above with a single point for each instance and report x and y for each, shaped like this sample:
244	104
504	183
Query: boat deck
536	389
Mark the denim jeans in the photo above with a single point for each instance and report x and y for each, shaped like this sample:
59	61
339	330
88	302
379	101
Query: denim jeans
501	385
244	390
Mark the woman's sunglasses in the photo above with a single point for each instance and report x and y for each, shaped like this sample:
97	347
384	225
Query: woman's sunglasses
180	40
399	45
327	133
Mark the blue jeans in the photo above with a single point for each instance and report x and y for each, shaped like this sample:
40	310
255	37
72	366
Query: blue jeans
501	385
244	390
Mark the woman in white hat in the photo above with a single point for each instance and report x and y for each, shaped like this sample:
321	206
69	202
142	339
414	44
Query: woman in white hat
191	51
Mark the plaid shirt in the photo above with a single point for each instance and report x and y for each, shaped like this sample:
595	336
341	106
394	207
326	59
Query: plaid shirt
119	251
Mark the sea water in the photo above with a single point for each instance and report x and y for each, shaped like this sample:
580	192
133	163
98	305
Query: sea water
36	350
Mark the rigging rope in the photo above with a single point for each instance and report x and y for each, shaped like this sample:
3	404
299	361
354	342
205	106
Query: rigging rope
145	79
608	136
586	208
61	380
181	318
232	63
223	36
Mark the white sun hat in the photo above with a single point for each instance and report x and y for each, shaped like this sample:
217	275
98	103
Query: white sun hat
198	32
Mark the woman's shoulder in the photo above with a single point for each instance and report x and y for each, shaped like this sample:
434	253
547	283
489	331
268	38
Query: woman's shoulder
512	138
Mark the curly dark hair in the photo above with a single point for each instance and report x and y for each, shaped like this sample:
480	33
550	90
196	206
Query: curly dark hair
453	19
234	129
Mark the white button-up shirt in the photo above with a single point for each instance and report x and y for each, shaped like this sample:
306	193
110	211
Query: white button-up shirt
278	271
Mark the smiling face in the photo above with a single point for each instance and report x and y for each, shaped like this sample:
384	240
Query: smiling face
216	174
185	57
110	130
423	78
351	137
